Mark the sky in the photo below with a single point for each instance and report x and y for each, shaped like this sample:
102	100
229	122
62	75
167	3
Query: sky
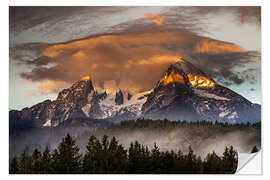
129	48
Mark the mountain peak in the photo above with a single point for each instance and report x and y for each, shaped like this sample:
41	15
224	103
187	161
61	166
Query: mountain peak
119	97
180	60
182	72
183	66
78	90
184	92
85	78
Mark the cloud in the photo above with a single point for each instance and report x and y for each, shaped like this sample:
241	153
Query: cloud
249	15
242	14
135	62
216	47
131	55
222	66
49	87
157	19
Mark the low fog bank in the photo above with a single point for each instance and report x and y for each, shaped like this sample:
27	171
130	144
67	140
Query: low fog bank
203	140
202	143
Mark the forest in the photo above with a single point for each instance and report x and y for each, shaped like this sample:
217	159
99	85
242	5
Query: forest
202	136
107	156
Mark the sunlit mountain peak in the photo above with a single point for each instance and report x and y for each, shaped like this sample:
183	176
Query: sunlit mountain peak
85	78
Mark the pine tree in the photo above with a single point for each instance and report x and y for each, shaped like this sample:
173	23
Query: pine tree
88	159
190	162
137	158
117	157
36	158
55	162
254	149
179	162
156	160
108	156
212	164
25	164
167	162
46	165
105	157
93	159
229	160
105	146
66	158
13	166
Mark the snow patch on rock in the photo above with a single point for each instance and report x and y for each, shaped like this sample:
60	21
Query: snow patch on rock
203	93
48	123
133	105
86	109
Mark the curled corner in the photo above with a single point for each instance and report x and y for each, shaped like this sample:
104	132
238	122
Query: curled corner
249	163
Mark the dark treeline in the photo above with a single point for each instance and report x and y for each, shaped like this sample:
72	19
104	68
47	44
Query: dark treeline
146	131
156	124
107	156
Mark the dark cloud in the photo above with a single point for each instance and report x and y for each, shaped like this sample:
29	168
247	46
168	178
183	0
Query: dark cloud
22	18
242	14
249	15
221	65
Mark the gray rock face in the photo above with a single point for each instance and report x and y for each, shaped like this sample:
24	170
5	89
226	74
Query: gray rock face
186	93
69	104
129	96
119	98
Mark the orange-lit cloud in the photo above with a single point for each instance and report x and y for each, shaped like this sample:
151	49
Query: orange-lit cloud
157	19
215	47
134	62
49	87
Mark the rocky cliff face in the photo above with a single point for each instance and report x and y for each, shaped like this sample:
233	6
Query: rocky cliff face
119	98
186	93
183	93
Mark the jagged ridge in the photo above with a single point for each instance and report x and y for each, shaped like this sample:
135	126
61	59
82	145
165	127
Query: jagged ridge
183	93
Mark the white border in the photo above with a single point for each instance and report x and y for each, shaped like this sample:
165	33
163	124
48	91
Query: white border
4	72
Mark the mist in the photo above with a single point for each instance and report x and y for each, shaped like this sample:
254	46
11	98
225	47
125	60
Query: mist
203	140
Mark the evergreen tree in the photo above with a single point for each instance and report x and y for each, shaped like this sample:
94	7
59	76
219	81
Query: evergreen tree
117	157
254	149
229	160
156	160
105	157
108	156
167	163
138	159
212	164
46	165
190	162
199	165
55	162
93	160
13	167
36	160
179	162
66	158
89	159
25	164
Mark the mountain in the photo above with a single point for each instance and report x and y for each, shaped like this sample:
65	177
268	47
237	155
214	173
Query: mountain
187	92
183	93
